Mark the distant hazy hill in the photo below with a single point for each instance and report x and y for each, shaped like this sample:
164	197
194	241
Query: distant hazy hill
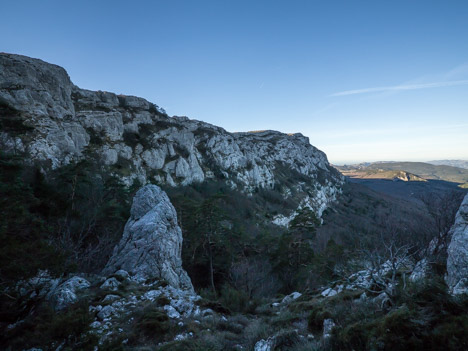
453	163
368	173
418	169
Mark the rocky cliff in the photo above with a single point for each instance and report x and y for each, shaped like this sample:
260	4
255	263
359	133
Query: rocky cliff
45	116
457	260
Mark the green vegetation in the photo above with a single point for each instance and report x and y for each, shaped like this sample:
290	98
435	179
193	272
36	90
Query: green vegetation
46	327
239	262
24	230
236	257
425	317
233	252
67	223
150	323
12	122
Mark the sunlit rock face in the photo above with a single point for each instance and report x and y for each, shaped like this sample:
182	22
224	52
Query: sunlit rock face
55	123
457	260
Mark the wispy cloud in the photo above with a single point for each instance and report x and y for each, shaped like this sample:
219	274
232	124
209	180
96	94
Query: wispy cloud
460	71
402	87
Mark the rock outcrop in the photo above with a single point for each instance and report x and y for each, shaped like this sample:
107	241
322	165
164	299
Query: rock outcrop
54	123
151	244
60	292
457	252
279	341
179	305
66	293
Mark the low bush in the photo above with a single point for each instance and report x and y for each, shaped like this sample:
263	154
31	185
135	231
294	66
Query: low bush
316	318
163	300
45	327
236	300
150	323
214	305
424	317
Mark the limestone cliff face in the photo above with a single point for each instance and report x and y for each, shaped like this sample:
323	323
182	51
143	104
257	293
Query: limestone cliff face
457	252
54	123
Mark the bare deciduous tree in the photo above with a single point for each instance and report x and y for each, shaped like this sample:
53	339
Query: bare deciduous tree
442	208
254	276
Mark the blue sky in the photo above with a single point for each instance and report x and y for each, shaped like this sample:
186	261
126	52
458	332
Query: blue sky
365	80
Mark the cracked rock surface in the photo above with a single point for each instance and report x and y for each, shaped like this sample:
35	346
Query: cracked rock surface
457	259
56	123
151	244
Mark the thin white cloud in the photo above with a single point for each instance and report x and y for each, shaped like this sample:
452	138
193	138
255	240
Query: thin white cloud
461	71
402	87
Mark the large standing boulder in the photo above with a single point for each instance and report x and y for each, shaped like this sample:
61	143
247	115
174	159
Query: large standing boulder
457	260
152	241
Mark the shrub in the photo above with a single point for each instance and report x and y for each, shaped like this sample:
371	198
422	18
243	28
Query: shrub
234	300
45	326
286	339
214	305
425	317
150	323
316	318
154	323
354	336
12	122
163	300
24	230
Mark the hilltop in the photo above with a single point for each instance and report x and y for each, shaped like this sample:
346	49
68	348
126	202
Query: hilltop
417	171
453	163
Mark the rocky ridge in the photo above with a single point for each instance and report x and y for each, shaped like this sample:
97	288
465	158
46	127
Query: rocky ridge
457	252
55	123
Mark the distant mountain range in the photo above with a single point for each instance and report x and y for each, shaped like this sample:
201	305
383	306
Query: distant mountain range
415	171
453	163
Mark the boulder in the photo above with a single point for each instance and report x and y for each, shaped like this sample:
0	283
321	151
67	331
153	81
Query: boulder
111	284
122	275
111	298
106	312
66	293
152	241
328	325
329	292
420	271
279	341
264	345
291	297
457	252
171	312
38	286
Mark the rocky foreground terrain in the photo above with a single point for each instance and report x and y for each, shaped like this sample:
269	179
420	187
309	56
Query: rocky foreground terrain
127	229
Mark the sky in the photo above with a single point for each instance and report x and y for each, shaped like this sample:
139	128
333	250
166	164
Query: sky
364	80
